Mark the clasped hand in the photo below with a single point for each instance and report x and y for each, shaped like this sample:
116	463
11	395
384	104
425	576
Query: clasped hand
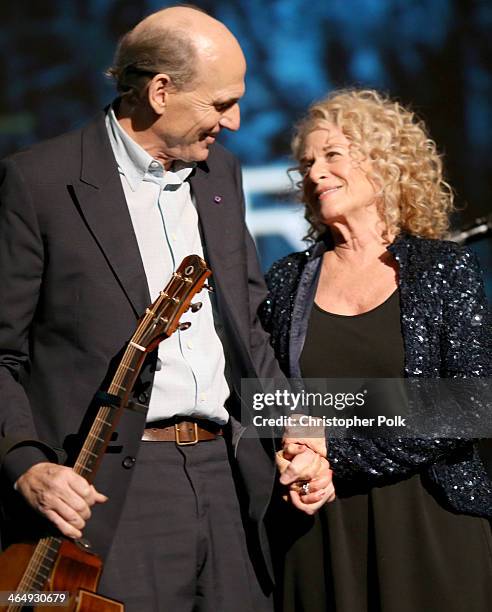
299	464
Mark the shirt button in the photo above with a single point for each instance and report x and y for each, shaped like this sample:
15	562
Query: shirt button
203	397
189	344
173	237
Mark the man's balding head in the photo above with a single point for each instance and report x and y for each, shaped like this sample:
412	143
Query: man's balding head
181	41
202	29
180	74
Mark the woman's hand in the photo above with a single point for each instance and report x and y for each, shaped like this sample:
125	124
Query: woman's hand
309	478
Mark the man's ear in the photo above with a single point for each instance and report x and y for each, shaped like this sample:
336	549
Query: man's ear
157	92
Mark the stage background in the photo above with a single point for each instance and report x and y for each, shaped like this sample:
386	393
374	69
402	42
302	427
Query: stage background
432	54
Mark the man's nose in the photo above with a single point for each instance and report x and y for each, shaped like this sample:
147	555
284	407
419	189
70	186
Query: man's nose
231	119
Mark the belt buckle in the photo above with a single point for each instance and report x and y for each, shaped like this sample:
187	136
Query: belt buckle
178	438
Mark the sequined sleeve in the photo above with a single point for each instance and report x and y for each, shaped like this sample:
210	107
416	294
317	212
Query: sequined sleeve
466	341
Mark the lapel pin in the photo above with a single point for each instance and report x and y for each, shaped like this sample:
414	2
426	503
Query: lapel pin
217	199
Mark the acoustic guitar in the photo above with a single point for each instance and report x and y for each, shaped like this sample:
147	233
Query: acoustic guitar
60	571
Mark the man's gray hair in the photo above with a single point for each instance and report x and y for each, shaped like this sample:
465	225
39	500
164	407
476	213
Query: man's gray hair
142	54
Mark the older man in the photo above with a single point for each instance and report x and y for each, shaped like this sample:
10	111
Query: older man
92	225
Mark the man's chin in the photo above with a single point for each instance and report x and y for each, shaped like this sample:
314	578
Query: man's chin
200	154
197	153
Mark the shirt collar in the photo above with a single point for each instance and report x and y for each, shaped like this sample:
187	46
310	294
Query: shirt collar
136	164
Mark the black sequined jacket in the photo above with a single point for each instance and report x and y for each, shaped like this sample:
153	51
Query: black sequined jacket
446	332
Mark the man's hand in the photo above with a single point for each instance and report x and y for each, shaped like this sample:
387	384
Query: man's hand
311	436
61	495
307	468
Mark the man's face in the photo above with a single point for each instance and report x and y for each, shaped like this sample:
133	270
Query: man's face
192	119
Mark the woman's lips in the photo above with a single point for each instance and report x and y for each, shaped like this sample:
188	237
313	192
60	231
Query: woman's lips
328	191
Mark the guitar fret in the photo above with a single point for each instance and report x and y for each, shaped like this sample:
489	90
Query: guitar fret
46	567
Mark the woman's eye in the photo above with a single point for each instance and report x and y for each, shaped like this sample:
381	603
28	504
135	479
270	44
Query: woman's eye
332	154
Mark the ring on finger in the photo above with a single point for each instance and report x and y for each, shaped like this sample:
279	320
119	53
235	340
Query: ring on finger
305	488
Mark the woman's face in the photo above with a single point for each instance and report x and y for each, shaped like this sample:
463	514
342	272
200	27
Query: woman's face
335	182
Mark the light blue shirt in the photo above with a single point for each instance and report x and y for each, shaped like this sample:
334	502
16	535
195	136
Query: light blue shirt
191	380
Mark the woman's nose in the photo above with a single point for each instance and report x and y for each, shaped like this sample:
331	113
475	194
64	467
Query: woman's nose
318	171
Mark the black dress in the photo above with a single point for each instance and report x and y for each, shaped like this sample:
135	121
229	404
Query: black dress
394	548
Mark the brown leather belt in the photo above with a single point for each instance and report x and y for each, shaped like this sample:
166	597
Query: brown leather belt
183	433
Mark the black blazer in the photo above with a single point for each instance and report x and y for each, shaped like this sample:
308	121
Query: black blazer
73	286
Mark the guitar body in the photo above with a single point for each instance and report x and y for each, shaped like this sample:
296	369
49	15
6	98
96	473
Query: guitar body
75	571
84	601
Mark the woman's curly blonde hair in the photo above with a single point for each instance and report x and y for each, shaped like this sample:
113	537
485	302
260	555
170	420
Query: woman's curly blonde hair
405	164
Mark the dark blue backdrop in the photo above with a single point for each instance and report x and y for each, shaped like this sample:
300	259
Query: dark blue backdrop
431	54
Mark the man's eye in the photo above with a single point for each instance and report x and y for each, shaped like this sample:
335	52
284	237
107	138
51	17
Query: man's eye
305	168
221	108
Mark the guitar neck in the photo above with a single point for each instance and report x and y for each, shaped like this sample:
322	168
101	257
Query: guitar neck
162	316
107	417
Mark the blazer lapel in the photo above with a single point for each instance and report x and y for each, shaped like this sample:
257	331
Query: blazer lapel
101	201
221	237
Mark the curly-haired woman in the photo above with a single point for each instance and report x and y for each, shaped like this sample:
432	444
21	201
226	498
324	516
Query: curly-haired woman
381	295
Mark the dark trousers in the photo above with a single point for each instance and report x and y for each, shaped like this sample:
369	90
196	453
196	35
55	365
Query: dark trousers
180	545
